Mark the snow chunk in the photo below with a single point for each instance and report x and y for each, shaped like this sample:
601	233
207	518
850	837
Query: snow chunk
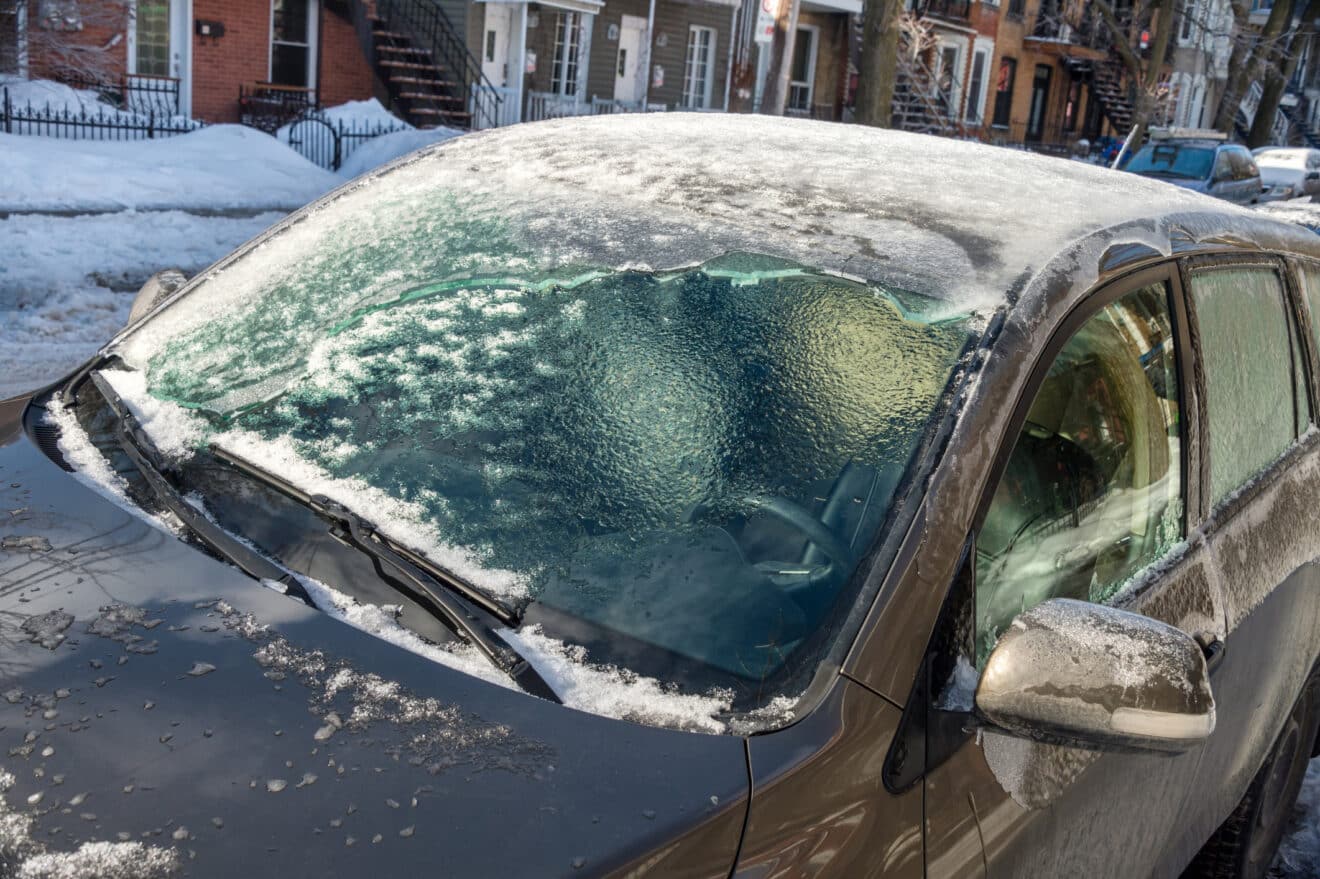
614	692
175	430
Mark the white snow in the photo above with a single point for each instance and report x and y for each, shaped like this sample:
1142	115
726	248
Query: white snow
220	168
369	114
614	692
388	147
66	283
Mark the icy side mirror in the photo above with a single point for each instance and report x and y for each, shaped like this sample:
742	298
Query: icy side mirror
1089	675
155	291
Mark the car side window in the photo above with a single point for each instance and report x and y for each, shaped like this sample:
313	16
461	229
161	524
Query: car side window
1223	167
1246	354
1092	492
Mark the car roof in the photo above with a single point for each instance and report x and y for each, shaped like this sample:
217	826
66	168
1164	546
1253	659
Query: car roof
966	223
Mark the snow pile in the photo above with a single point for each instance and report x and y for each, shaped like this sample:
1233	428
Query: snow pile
388	147
368	115
220	168
615	692
44	93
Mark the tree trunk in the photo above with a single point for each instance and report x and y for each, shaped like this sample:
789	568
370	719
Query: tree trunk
1238	67
1264	53
1279	66
879	63
780	69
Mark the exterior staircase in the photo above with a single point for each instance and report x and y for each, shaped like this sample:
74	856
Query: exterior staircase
420	57
1107	87
917	103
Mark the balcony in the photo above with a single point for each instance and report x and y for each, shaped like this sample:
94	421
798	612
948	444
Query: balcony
952	10
1069	32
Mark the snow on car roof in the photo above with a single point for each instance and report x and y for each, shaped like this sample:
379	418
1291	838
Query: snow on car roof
961	221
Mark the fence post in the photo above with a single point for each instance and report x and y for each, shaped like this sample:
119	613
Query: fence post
9	115
151	124
338	133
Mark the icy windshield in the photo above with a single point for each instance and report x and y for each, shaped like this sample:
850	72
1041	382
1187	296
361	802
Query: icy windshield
680	470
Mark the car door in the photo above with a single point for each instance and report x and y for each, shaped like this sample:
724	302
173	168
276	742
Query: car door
1262	478
1092	501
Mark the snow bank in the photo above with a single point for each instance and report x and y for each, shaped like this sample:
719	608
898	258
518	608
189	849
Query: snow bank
388	147
57	96
66	283
220	168
362	115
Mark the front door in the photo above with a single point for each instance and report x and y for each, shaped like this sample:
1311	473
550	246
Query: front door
161	49
1040	96
495	43
630	65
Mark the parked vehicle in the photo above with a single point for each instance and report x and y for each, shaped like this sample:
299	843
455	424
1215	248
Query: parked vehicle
1288	172
1202	162
1299	212
596	498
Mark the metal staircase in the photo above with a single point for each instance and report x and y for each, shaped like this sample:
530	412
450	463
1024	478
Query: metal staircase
918	105
422	60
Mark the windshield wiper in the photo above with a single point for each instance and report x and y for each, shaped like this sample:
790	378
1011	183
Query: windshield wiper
457	603
146	458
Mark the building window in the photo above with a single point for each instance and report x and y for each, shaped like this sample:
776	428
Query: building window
568	48
1189	12
1070	113
1016	8
697	71
976	86
1040	97
290	42
1004	91
152	23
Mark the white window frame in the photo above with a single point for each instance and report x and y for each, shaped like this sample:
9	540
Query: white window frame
810	82
985	50
959	45
313	20
690	97
568	40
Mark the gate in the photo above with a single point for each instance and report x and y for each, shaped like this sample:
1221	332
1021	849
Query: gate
316	140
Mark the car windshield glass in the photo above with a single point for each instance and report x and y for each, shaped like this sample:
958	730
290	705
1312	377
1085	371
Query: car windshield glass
679	470
1173	160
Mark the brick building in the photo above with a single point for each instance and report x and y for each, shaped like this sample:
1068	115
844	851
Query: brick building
213	48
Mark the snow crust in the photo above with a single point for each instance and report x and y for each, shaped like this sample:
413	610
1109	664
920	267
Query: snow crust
221	167
614	692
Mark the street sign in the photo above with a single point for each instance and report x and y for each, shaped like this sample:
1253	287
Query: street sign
767	12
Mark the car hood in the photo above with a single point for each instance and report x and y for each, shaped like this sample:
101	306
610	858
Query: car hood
159	704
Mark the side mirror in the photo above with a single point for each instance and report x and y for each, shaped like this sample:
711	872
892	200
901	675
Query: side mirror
1313	175
1093	676
155	291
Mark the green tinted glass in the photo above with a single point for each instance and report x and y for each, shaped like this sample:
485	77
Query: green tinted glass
1093	491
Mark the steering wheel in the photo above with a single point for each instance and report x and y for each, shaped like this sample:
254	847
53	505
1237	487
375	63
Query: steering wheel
801	520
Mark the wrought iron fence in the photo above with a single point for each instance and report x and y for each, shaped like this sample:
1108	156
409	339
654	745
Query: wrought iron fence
328	142
107	123
134	92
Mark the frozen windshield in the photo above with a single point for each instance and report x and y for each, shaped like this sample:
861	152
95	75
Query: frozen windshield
679	469
1173	160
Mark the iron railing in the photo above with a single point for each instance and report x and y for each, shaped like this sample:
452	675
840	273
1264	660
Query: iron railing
109	123
267	106
430	28
957	10
1083	27
327	142
137	93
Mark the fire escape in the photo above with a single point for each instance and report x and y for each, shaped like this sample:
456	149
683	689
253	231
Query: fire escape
418	54
1076	33
925	97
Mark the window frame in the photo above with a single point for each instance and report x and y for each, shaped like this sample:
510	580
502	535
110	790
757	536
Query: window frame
313	37
689	98
1168	273
566	54
1297	329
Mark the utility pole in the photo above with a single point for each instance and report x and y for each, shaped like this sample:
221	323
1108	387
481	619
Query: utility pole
779	72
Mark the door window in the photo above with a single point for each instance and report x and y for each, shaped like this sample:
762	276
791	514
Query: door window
1004	91
568	43
1092	492
697	70
976	87
1040	96
802	73
1246	355
152	23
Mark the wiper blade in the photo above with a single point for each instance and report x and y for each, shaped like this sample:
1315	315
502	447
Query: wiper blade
460	605
146	458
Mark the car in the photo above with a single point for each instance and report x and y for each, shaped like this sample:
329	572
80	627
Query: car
1288	172
680	495
1200	161
1301	212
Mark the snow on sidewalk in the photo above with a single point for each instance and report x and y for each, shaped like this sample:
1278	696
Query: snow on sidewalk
220	168
66	283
